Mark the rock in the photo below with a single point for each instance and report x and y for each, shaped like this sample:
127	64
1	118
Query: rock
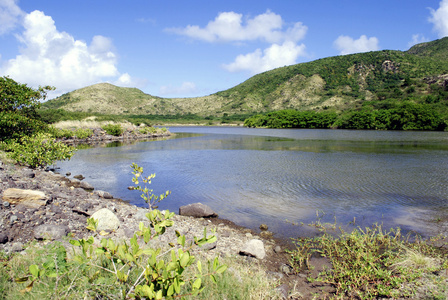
16	247
28	198
50	232
104	194
68	174
5	204
266	234
86	185
107	220
3	238
254	248
79	177
197	210
28	173
278	249
285	269
283	290
140	215
263	227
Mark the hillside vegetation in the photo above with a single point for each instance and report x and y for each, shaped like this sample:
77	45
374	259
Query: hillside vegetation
374	80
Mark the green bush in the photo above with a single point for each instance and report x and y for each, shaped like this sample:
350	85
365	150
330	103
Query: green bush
82	133
38	150
18	104
113	129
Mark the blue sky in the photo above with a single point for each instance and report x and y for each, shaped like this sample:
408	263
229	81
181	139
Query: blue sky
196	48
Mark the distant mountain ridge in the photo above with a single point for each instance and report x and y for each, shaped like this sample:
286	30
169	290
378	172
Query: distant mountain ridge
338	83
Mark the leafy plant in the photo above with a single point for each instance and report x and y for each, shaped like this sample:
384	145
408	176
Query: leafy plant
38	150
368	263
18	104
113	129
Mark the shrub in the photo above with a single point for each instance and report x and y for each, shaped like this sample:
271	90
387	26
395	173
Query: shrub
38	150
18	104
113	129
81	133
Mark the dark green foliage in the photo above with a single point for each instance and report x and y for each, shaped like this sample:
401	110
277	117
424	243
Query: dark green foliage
292	119
18	104
113	129
405	116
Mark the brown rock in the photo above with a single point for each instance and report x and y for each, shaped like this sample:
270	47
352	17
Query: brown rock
27	198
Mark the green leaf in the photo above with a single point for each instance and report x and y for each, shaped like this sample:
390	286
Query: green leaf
200	266
221	269
213	278
181	240
34	270
21	279
75	243
184	259
197	283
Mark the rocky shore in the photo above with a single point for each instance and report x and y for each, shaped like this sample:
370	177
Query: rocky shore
42	206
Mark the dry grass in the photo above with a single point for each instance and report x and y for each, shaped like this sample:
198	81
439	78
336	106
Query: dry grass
90	123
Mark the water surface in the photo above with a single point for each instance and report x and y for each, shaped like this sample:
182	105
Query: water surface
254	176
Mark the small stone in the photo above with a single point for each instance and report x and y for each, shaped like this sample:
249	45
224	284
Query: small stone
86	185
5	204
79	177
288	270
263	227
278	249
197	210
13	219
107	220
68	174
50	232
254	248
17	247
3	238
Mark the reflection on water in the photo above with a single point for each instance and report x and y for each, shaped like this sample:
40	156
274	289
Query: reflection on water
254	176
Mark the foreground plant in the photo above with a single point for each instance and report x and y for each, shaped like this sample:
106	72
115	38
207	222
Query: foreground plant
369	263
140	270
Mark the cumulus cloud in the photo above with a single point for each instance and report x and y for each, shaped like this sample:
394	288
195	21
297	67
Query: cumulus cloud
185	89
348	45
229	27
50	57
273	57
10	15
439	18
417	39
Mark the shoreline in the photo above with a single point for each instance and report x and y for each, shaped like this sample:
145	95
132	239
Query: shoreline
67	203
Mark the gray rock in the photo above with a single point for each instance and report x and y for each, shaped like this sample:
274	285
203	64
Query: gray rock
254	248
16	247
104	194
197	210
3	238
278	249
285	269
50	232
107	220
140	215
86	185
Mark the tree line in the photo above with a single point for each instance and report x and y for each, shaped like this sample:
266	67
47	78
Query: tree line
405	116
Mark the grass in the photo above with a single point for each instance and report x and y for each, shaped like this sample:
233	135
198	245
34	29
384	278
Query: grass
371	262
75	280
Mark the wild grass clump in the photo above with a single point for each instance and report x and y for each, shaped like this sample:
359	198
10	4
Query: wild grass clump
113	129
369	263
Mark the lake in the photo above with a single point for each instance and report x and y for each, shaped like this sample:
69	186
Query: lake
284	176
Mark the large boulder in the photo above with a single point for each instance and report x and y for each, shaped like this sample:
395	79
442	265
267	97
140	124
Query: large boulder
197	210
107	220
50	232
254	248
27	198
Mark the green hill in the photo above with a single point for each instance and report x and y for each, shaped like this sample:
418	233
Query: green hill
377	79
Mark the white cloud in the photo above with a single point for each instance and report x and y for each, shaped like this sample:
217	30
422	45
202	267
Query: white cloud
229	27
10	15
439	18
417	39
347	45
273	57
185	89
51	57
